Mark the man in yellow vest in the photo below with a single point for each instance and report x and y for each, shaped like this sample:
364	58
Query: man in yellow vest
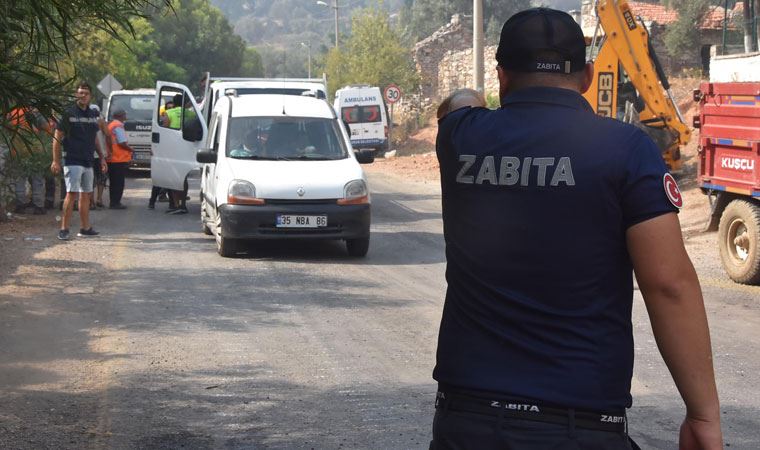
118	159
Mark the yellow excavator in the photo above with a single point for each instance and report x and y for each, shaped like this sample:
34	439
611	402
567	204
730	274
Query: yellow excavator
629	82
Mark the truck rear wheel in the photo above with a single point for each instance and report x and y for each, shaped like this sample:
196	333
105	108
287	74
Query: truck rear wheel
739	240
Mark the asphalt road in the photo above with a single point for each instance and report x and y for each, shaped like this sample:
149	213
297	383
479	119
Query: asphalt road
146	338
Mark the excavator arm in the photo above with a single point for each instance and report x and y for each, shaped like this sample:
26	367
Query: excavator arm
625	45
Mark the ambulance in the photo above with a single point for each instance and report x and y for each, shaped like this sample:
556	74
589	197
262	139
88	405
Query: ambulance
362	110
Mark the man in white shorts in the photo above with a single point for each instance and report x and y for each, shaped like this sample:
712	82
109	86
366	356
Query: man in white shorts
77	133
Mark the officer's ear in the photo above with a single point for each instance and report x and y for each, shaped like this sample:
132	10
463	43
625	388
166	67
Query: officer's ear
503	81
588	77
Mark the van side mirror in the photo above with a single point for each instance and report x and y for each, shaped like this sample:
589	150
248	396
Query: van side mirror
206	156
365	156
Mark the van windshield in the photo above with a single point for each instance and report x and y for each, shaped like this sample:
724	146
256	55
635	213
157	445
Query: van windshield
361	114
137	107
285	138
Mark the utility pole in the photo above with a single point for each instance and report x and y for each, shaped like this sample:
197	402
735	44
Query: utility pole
477	45
335	7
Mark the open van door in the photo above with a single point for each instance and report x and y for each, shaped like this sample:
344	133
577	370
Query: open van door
178	131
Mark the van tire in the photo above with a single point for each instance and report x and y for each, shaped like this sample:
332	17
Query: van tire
739	241
357	247
205	220
226	247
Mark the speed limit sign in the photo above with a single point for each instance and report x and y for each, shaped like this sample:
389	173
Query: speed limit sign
392	93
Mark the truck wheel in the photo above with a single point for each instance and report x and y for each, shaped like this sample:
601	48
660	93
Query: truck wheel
204	217
357	247
226	247
738	240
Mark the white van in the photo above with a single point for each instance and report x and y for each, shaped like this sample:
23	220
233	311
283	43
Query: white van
362	109
281	166
138	104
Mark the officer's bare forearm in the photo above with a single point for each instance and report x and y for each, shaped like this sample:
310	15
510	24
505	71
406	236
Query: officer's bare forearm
679	324
676	309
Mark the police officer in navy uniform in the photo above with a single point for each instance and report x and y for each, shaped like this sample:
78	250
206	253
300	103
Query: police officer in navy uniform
548	209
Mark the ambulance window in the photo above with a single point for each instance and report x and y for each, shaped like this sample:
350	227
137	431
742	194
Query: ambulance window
350	114
371	113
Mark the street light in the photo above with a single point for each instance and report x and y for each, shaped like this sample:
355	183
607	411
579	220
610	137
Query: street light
335	7
307	44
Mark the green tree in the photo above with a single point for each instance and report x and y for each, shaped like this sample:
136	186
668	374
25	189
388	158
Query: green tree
133	61
373	55
683	36
251	65
196	36
423	17
36	38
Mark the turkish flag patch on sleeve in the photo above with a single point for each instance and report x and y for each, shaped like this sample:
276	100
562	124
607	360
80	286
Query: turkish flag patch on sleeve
672	191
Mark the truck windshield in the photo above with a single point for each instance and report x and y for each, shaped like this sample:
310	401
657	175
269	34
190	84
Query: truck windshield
285	138
282	91
137	107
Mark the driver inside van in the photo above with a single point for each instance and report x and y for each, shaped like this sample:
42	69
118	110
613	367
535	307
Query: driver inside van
244	142
287	140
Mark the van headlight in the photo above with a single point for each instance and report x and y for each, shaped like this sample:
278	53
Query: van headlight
355	193
242	192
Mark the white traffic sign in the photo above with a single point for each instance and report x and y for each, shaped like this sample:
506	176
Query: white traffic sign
109	84
392	94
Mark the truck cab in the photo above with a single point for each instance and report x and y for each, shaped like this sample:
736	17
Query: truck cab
138	104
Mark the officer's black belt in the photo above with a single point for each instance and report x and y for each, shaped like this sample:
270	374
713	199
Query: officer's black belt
613	421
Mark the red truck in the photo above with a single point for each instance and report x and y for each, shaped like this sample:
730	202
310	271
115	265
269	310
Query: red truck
729	171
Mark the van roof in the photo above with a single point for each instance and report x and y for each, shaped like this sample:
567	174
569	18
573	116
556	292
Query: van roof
144	91
269	105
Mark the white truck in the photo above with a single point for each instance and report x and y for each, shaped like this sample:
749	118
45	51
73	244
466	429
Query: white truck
138	104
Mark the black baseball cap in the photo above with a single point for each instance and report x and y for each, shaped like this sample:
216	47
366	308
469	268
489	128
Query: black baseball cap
542	40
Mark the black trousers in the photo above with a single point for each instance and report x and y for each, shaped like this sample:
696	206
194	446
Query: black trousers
458	430
117	174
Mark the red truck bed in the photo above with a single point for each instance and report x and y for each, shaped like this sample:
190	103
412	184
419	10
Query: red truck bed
729	138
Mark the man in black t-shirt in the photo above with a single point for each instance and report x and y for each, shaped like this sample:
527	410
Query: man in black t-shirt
547	209
77	133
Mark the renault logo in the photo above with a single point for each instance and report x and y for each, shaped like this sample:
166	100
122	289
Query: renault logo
300	191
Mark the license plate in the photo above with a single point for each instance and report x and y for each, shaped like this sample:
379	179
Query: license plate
293	221
141	156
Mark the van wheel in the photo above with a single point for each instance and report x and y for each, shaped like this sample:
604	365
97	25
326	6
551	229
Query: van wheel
357	247
205	220
226	247
739	240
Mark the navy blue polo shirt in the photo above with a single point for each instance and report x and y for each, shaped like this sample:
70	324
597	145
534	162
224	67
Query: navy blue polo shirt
80	128
537	198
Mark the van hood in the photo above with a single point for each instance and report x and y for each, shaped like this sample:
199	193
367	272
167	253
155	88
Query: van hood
286	179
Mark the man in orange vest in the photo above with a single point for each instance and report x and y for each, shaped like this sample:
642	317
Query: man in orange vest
118	159
35	128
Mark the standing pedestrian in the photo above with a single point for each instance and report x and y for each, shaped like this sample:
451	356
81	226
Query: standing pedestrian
547	210
29	142
118	159
77	135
